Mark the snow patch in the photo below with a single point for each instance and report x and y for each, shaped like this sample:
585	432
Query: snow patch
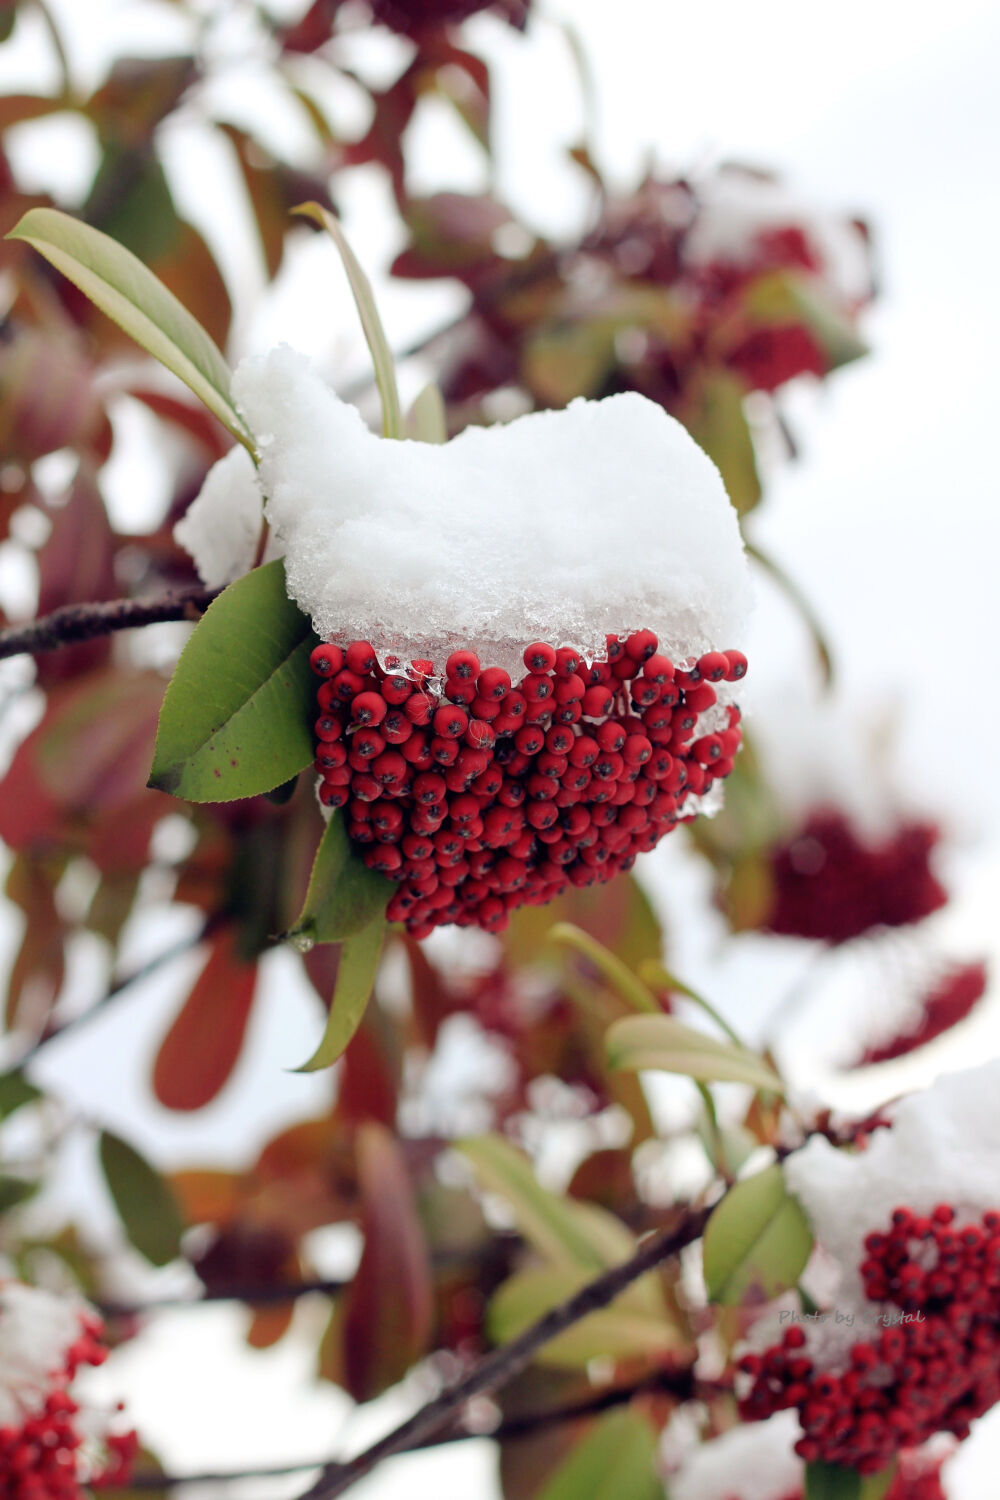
562	526
751	1462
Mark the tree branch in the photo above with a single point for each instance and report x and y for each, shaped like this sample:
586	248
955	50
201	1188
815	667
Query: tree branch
502	1364
680	1383
84	622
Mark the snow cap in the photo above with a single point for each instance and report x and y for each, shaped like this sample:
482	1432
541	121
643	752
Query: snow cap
37	1329
561	526
220	529
752	1462
943	1147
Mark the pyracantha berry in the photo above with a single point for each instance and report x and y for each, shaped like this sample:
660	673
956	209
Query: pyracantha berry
833	884
51	1444
492	795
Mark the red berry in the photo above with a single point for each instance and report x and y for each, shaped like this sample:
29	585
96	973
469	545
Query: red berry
361	657
641	645
450	722
493	683
737	665
463	665
539	657
568	662
326	660
713	666
368	708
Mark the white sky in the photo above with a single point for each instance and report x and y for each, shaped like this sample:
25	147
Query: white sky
890	522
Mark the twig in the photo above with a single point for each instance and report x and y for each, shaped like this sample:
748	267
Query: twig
680	1384
84	622
117	988
502	1364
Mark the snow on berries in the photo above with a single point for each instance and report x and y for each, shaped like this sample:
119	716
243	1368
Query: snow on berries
561	527
910	1345
756	1461
477	794
52	1442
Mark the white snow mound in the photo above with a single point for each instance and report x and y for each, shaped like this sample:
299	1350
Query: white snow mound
560	526
37	1329
221	527
943	1147
753	1462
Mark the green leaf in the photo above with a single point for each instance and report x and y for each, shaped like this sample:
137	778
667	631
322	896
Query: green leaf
359	958
785	296
427	420
364	300
15	1090
344	896
146	1206
236	718
831	1482
757	1237
638	1043
636	1325
619	977
14	1191
121	286
801	602
718	424
617	1457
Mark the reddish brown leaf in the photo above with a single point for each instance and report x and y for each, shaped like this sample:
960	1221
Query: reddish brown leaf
76	566
206	1196
203	1045
37	973
269	1324
367	1078
389	1313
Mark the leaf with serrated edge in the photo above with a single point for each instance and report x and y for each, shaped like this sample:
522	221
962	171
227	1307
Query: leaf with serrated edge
359	958
617	1457
344	896
236	718
146	1206
650	1043
757	1237
119	284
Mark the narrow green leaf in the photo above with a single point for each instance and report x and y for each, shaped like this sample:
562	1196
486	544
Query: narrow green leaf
757	1237
364	300
427	421
344	896
15	1191
617	1457
831	1482
236	718
555	1226
620	978
628	1329
146	1206
639	1043
359	958
801	602
121	286
15	1090
653	973
718	424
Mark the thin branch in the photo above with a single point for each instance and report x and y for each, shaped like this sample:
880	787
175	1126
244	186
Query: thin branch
502	1364
85	622
152	966
681	1384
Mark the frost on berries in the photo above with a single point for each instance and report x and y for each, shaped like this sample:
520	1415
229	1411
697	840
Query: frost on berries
52	1442
911	1346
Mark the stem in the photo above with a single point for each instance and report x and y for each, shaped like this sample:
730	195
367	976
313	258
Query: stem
679	1383
797	598
85	622
502	1364
117	988
658	978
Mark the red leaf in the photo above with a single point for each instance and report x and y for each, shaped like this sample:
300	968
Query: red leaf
388	1317
76	566
203	1045
367	1081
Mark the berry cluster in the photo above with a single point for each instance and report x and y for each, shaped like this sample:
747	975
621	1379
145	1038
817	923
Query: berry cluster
478	795
948	1001
832	885
412	17
43	1458
933	1367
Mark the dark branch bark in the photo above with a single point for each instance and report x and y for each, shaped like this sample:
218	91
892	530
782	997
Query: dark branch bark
504	1363
681	1384
85	622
